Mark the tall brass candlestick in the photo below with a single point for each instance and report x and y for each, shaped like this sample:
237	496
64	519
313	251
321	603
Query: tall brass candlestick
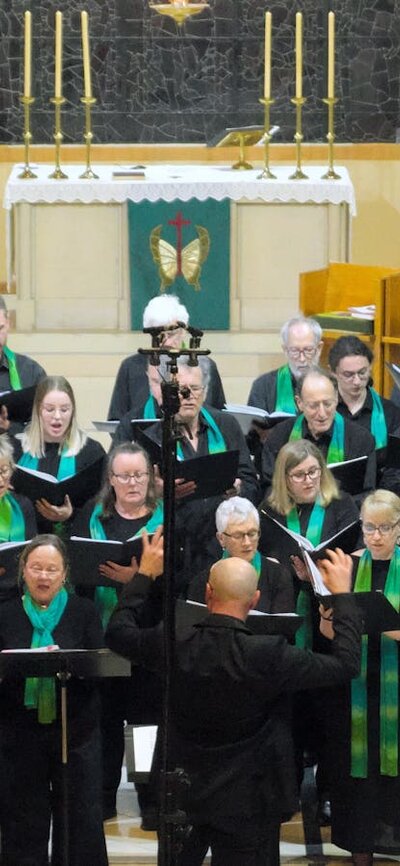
58	101
88	102
298	101
330	174
266	173
27	172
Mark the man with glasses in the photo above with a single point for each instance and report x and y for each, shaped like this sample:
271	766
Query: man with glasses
131	388
337	438
350	361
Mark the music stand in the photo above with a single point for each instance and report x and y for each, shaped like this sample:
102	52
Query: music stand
63	664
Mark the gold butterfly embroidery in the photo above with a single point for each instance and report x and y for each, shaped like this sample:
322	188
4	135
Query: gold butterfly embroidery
193	256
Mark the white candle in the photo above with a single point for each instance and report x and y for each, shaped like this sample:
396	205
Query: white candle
331	55
27	53
58	72
86	55
299	55
267	55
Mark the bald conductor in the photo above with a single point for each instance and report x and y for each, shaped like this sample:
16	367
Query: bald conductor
231	730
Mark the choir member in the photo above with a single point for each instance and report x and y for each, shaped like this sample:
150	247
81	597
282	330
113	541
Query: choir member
319	422
350	361
364	736
127	507
30	721
54	443
16	371
17	516
131	387
150	410
238	533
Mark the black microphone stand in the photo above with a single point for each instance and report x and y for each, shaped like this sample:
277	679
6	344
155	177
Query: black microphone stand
172	821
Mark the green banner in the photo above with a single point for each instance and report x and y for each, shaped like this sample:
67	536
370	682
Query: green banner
182	248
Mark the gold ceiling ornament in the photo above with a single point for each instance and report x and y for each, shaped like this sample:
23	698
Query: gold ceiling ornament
179	10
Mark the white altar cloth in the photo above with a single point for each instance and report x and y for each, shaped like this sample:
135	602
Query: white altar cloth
169	182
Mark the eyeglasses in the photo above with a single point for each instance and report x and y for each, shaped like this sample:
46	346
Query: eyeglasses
5	472
50	410
312	474
308	352
383	528
348	375
194	389
325	404
125	478
36	570
240	536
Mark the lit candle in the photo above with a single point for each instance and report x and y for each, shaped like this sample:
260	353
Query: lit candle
299	55
86	55
331	55
58	75
267	55
27	54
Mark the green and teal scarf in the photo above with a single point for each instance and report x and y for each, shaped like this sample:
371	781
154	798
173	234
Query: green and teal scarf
66	466
40	692
15	380
12	521
106	597
303	604
336	448
378	421
150	409
215	440
255	562
285	401
389	698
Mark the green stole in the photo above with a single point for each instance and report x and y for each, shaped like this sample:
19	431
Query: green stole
66	466
285	401
255	562
378	421
15	380
150	412
303	604
106	597
215	440
12	521
336	448
389	695
40	692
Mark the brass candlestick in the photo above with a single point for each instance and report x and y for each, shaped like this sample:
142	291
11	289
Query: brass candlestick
298	101
88	102
266	173
27	101
58	101
331	174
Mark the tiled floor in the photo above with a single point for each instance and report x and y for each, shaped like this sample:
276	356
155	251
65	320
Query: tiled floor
128	844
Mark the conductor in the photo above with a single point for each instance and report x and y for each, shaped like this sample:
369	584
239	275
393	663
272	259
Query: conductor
231	730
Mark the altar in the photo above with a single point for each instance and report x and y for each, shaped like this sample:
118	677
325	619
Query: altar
68	239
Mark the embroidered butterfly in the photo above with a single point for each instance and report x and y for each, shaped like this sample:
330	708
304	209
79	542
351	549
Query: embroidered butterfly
192	257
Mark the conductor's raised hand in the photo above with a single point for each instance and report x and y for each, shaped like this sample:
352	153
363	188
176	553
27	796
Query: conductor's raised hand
55	513
152	559
336	571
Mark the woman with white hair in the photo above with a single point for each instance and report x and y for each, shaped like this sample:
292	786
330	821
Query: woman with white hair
131	388
238	532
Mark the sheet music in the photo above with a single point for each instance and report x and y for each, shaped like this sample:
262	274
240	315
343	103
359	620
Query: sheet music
144	740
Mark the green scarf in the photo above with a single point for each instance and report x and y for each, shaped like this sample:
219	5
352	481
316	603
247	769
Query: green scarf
66	466
336	448
255	562
105	597
215	440
303	605
378	421
15	380
12	522
40	692
150	410
285	401
389	698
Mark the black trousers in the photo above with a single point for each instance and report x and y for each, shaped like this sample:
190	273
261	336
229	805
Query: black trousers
31	795
247	845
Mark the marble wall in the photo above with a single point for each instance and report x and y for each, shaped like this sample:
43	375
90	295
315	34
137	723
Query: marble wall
159	83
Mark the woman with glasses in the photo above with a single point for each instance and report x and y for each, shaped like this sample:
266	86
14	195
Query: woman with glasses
31	772
305	498
127	507
238	532
364	717
17	516
54	443
350	361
